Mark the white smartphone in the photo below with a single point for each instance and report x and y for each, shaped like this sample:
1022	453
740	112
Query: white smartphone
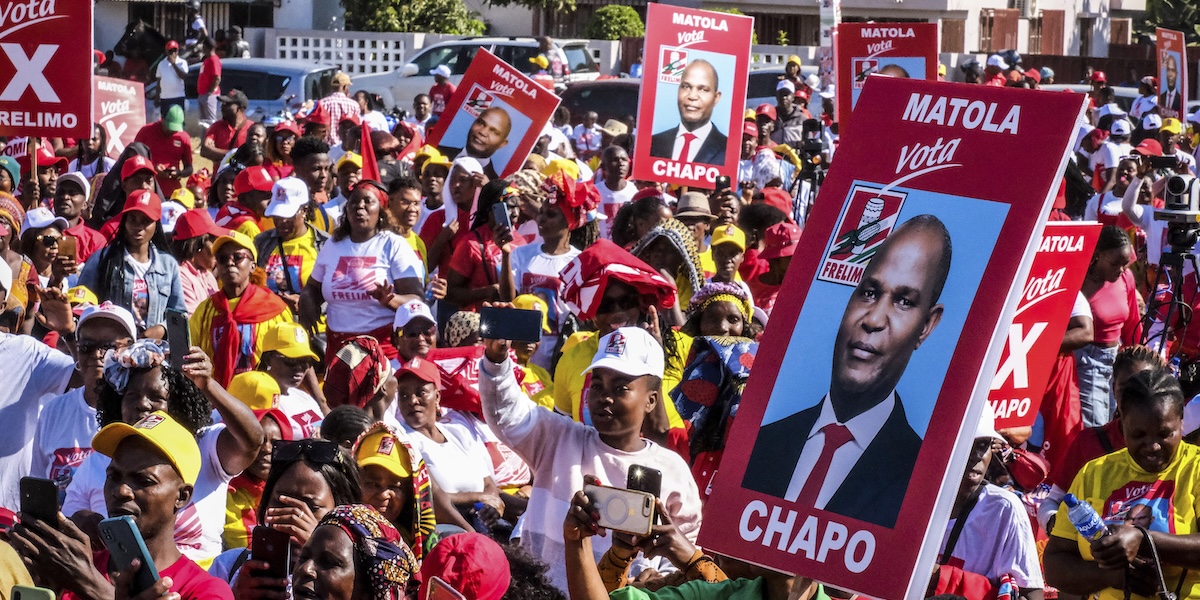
630	511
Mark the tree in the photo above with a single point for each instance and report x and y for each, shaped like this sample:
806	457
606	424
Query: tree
1180	15
614	22
429	16
734	11
551	7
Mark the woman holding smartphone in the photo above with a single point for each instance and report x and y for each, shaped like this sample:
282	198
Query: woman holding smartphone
481	266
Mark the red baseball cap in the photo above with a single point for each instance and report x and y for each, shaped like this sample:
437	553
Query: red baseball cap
288	126
766	109
353	118
425	370
172	45
136	163
471	563
318	115
750	129
1149	147
146	202
778	198
45	158
1098	77
780	240
253	179
195	223
1034	75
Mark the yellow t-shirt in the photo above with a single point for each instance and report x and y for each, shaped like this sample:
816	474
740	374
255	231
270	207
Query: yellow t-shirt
1167	502
538	385
301	254
418	246
241	512
205	336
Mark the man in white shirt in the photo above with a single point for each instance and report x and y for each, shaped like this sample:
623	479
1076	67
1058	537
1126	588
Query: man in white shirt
422	112
170	73
854	452
1110	153
695	139
615	188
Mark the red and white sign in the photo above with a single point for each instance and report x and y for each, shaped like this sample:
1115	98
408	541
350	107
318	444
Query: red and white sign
1171	49
120	108
46	68
693	95
907	50
900	353
496	115
1040	321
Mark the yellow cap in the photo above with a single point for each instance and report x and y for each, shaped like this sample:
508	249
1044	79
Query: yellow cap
750	115
531	302
941	69
238	238
562	164
290	340
158	428
255	389
349	158
380	446
426	151
540	61
185	197
436	160
729	234
81	295
1171	126
794	59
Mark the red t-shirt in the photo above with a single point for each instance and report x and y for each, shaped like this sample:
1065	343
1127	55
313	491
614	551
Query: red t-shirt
88	241
222	134
187	579
468	260
209	71
1084	448
439	97
429	232
166	150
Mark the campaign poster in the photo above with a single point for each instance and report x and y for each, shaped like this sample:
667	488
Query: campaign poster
856	425
693	95
1171	49
46	68
1040	321
496	115
119	108
904	50
831	15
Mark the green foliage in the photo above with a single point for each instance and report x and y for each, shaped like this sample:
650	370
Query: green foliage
555	6
734	11
614	22
1180	15
781	38
429	16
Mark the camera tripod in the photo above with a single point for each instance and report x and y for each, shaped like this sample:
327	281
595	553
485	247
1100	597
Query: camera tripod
1171	268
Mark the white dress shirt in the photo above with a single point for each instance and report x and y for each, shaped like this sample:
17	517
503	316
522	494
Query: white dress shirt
863	427
701	135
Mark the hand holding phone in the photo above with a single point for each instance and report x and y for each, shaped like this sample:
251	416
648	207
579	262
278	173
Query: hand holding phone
179	337
628	511
39	499
68	247
273	547
124	542
514	324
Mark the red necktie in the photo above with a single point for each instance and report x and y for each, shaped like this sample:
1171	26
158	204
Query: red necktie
687	145
836	436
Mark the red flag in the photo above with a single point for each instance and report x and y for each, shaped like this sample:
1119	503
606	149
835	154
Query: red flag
370	168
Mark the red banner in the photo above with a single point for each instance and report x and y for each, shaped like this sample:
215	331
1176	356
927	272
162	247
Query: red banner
693	95
1040	321
46	68
1171	48
120	108
496	115
906	50
856	425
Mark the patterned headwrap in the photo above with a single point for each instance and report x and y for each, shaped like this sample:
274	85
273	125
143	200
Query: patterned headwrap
528	182
721	292
143	354
358	371
11	211
574	198
378	548
424	524
681	238
460	326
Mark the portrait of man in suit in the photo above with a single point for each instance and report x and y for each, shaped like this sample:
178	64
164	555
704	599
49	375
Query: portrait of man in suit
488	133
1169	99
696	139
854	451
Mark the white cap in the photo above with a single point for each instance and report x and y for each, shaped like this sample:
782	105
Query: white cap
1194	117
413	309
631	351
761	315
997	61
112	312
171	211
1151	121
78	179
442	70
786	84
1120	127
812	81
42	217
987	424
1191	415
828	92
288	196
5	278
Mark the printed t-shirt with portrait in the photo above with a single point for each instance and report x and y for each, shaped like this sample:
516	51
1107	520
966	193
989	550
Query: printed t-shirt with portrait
536	272
300	254
350	271
140	301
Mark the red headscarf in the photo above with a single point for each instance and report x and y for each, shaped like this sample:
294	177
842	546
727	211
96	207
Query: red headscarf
257	305
574	198
415	141
587	276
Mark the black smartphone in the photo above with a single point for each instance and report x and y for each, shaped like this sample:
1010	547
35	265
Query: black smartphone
500	214
39	499
722	183
273	547
179	337
516	324
644	479
1163	162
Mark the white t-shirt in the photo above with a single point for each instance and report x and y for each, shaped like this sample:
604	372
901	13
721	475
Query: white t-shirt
997	539
302	411
1081	308
63	439
376	121
587	139
348	272
333	207
170	84
536	272
610	202
89	170
425	212
460	464
1107	204
1142	105
1109	154
198	526
30	373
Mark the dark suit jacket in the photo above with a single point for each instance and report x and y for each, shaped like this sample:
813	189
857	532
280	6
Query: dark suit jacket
1162	101
876	484
712	151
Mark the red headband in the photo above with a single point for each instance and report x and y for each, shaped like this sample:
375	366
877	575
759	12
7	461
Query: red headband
374	188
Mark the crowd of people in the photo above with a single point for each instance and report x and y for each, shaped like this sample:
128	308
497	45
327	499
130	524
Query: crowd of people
292	343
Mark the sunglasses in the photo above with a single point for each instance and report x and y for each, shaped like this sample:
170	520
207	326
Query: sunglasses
609	305
49	241
91	347
318	451
240	256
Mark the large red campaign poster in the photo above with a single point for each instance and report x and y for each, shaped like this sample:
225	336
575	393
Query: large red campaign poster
906	50
1040	321
1171	49
496	115
119	108
46	68
856	425
693	95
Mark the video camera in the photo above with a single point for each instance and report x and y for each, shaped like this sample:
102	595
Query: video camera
1181	210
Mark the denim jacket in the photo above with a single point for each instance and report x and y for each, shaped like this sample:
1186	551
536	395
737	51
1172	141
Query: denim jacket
162	282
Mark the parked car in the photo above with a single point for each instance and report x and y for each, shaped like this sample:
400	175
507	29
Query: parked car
398	88
761	86
1125	95
270	84
610	98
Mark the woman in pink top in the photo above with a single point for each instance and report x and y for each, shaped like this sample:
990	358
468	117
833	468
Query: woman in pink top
195	232
1112	296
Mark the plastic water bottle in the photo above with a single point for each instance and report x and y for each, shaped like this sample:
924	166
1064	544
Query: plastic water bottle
477	522
1085	519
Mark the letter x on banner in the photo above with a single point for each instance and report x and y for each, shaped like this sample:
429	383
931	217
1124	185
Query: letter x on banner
46	68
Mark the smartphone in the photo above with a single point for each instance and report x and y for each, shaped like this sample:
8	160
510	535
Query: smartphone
644	479
516	324
124	542
179	337
1157	162
68	246
722	183
629	511
440	590
500	214
24	592
39	499
275	548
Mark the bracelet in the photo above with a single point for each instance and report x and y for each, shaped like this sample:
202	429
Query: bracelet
697	560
